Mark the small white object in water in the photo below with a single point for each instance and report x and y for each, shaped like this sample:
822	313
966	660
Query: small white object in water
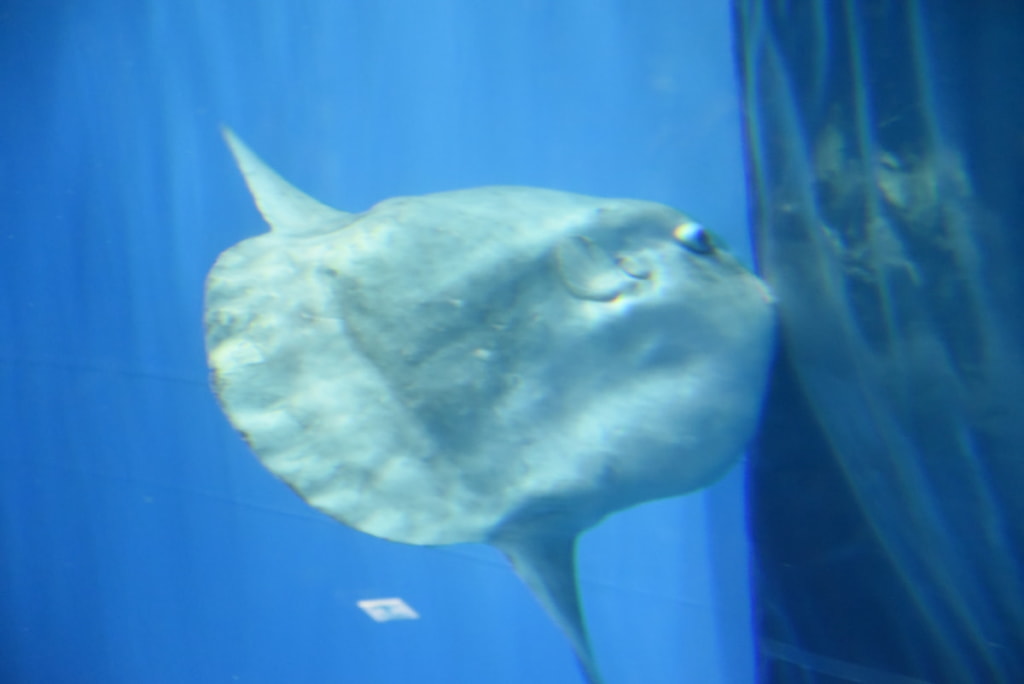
388	609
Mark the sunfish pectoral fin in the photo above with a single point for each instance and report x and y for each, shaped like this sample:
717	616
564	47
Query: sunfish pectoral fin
287	209
588	271
547	564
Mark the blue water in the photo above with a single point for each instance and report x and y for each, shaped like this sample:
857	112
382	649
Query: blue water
141	542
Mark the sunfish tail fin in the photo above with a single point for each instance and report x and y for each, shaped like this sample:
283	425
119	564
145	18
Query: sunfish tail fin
547	564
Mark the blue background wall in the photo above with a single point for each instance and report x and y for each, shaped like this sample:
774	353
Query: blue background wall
141	542
886	162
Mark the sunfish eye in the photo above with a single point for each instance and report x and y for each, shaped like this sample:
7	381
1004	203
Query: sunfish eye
694	237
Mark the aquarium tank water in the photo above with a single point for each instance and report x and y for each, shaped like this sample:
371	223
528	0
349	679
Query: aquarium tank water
547	341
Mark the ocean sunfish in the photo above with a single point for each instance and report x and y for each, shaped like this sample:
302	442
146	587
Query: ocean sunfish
504	365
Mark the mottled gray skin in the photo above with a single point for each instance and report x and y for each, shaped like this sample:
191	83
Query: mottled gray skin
504	365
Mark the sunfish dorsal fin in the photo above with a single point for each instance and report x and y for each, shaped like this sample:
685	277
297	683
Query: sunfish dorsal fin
547	564
287	209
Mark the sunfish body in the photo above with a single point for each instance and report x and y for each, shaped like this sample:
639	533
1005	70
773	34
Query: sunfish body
504	365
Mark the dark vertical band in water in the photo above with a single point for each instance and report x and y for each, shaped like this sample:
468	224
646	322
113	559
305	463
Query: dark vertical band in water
885	146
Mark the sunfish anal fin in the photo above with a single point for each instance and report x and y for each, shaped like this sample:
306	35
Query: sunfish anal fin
547	564
287	209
